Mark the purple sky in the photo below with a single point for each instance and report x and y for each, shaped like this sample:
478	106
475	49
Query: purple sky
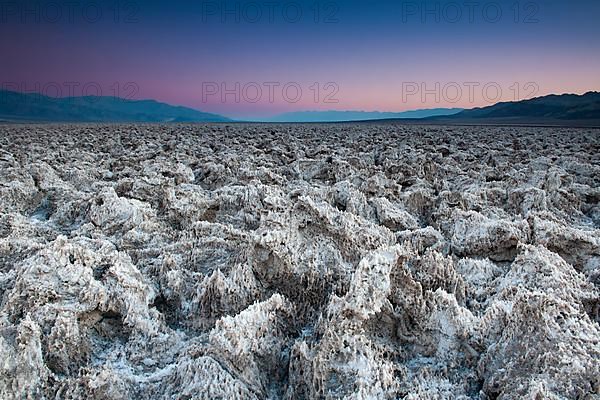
351	55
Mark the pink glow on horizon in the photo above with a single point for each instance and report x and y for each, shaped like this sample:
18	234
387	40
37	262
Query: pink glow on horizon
373	85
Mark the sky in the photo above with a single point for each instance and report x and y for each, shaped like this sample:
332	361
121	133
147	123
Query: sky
253	59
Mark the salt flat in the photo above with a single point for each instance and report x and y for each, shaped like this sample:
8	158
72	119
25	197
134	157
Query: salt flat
299	262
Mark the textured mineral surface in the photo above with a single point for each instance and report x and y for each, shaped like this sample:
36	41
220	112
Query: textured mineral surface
299	262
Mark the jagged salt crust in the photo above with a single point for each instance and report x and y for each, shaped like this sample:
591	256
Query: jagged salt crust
299	262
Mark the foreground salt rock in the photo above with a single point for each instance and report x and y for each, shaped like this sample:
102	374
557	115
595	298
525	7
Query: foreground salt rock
299	262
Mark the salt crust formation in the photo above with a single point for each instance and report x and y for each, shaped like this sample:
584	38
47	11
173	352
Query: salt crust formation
299	262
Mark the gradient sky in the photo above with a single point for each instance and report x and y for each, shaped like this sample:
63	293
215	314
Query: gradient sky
378	55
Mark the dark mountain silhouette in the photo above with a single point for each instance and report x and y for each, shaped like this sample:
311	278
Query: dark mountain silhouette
346	116
553	108
33	107
562	110
568	110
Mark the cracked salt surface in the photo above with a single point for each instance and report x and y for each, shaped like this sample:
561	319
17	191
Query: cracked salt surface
299	261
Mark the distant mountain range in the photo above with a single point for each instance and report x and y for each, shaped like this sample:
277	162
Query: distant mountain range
563	110
347	116
33	107
566	109
566	106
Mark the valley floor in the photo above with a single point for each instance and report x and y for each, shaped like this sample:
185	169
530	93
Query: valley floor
357	261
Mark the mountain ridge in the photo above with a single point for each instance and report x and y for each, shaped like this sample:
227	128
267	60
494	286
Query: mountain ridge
34	107
352	115
554	106
554	109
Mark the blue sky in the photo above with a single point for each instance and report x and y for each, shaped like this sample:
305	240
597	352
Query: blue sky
358	55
